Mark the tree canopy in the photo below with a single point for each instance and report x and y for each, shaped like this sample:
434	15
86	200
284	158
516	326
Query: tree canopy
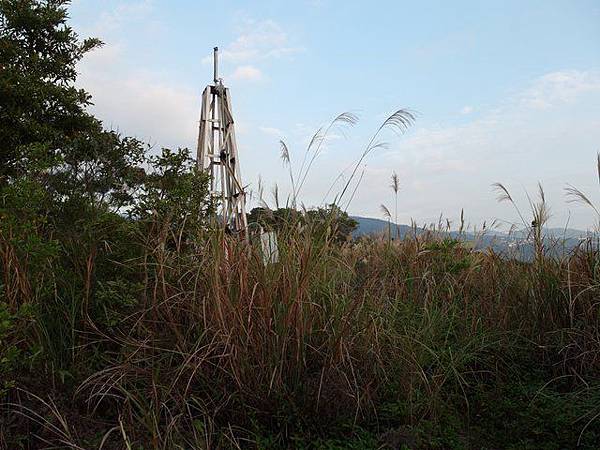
330	220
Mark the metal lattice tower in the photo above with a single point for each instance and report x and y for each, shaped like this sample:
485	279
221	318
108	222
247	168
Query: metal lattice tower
218	156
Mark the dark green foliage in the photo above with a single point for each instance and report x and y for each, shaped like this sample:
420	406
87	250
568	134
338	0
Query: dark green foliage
325	222
175	193
75	199
41	109
46	135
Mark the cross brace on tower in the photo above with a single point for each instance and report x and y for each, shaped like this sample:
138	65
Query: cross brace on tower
218	156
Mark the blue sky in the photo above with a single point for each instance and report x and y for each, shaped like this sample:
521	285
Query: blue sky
505	91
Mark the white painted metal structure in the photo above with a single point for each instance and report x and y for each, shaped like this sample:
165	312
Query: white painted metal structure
217	155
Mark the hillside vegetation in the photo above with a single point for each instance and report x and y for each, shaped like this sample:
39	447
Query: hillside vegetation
128	322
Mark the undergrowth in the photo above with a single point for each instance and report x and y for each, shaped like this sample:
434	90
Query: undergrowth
421	343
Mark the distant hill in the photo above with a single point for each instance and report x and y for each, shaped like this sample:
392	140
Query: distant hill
369	225
559	233
557	240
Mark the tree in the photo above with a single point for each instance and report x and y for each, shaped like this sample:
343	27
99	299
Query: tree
46	133
175	196
77	206
333	220
330	220
275	219
41	109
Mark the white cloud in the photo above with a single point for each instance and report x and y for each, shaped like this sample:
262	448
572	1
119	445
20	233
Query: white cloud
561	87
124	14
257	41
247	73
271	131
468	109
139	103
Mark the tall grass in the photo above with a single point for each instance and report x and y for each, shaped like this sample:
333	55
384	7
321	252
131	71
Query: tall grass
577	196
222	349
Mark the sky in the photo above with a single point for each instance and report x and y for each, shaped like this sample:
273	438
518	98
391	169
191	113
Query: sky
504	91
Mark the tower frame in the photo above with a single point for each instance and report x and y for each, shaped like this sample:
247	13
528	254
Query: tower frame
217	155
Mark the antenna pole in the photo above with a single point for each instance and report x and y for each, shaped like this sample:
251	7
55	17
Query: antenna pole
216	64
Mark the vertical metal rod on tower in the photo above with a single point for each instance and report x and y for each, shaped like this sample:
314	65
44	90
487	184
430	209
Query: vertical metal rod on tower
217	154
216	64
